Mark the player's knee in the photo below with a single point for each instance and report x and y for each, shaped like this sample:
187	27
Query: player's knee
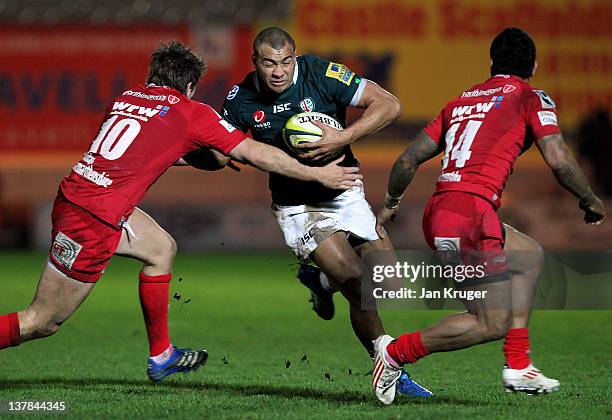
538	252
349	274
534	248
538	257
529	260
172	247
497	327
164	251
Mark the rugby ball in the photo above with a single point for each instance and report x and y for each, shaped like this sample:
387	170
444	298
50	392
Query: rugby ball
299	129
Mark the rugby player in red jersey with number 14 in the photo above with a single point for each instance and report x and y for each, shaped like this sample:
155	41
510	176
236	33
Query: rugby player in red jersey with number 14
482	132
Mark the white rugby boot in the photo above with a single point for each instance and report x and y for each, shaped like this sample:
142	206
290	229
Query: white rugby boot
529	380
384	375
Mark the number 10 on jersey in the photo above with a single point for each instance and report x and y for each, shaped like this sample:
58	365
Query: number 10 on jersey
111	144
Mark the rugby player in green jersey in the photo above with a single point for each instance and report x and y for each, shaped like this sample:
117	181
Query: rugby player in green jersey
328	227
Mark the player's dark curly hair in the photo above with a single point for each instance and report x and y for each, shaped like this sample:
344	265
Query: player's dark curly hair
513	52
273	36
175	65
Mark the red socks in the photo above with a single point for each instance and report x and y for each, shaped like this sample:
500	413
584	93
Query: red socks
154	291
9	331
516	348
408	348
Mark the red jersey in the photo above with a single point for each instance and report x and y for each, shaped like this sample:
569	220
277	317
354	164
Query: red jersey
485	129
145	131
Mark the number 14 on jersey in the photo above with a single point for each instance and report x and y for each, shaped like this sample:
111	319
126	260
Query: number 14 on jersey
460	152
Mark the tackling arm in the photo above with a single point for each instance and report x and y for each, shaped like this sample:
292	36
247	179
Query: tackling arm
565	168
204	159
271	159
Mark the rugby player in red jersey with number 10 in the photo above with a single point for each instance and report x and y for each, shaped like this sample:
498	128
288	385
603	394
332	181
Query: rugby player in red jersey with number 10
145	131
482	132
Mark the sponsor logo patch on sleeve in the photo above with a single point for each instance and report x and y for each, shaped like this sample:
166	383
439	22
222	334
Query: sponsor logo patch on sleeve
339	72
547	118
546	100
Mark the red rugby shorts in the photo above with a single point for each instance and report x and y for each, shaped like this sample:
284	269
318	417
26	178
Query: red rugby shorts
82	244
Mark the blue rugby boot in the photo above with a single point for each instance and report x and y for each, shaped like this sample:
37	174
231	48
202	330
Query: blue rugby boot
322	300
181	360
410	388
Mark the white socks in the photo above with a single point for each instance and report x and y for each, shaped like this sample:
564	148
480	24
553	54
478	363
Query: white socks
163	357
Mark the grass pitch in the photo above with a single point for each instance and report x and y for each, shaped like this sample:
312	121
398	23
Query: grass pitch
271	357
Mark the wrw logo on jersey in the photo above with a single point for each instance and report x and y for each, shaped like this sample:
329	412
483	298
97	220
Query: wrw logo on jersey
134	111
479	110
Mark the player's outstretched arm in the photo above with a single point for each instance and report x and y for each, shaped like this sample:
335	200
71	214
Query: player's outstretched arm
207	160
204	159
271	159
419	150
381	109
558	156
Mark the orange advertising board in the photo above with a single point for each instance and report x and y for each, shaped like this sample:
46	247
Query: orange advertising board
426	52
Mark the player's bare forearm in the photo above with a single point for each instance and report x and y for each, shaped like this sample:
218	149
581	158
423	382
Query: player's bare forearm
277	161
381	109
271	159
570	176
564	166
572	179
419	150
401	175
204	159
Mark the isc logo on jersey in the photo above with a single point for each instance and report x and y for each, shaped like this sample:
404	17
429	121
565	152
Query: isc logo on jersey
479	110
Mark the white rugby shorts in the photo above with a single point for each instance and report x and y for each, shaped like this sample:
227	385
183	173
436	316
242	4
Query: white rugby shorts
306	226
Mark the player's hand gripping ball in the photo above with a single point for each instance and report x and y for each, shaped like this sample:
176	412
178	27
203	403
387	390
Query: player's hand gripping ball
299	129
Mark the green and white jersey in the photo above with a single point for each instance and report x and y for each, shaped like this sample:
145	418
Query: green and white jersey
318	85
